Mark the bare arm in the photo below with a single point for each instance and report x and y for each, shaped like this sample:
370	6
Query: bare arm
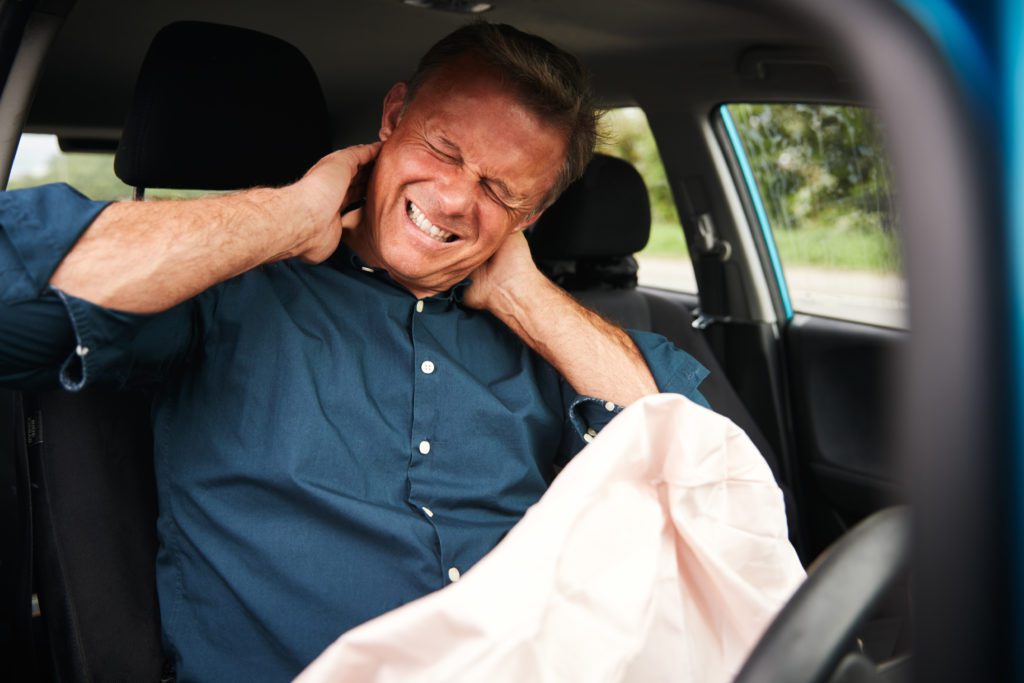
145	257
594	356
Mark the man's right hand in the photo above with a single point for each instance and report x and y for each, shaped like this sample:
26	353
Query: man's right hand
335	182
145	257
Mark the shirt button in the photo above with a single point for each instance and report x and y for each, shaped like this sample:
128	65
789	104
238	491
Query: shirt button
427	512
609	406
454	575
366	269
419	306
427	367
424	447
81	350
588	438
592	432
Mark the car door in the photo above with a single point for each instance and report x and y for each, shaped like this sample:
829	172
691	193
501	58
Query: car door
821	202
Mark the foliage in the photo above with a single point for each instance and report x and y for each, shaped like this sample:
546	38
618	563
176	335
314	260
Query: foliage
628	136
92	174
822	174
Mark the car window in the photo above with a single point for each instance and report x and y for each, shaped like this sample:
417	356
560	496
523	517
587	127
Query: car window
39	160
825	190
665	261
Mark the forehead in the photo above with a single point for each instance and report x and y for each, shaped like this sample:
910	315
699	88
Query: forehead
468	103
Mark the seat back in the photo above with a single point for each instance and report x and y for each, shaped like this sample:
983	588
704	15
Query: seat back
216	107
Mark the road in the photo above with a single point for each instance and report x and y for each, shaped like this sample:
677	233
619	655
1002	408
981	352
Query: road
852	295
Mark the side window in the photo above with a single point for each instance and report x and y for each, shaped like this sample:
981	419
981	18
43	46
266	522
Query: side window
665	261
40	160
827	195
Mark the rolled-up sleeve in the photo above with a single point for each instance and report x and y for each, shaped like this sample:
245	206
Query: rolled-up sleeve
674	371
49	338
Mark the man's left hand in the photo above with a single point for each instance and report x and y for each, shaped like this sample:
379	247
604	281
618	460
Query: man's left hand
510	269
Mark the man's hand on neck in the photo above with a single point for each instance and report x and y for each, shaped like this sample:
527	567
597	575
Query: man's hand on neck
594	356
145	257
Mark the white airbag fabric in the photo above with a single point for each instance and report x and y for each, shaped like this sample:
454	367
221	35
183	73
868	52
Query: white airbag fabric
659	554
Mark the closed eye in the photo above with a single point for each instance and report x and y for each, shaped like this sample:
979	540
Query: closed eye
444	156
489	189
515	210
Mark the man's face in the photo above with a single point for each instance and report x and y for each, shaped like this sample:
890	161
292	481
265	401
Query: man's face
462	167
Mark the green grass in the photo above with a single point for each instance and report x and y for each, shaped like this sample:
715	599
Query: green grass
839	249
667	239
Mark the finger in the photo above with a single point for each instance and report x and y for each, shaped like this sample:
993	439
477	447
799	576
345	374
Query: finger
352	218
362	154
351	159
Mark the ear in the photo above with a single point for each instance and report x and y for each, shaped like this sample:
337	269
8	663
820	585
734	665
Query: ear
394	104
529	221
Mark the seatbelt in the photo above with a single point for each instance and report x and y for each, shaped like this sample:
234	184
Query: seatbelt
16	647
712	253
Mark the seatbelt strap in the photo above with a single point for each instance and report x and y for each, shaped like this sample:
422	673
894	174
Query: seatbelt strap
16	645
712	254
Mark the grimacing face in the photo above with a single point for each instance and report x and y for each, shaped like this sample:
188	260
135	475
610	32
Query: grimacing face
463	166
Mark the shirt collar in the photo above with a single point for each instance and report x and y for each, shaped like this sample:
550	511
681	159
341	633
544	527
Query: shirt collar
345	258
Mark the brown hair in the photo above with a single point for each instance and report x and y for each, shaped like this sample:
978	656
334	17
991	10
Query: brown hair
549	81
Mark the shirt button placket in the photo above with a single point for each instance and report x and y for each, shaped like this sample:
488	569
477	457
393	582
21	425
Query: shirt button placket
424	398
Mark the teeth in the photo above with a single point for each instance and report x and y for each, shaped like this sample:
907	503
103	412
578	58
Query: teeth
428	228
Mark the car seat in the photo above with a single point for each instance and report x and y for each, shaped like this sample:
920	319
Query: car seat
586	241
215	108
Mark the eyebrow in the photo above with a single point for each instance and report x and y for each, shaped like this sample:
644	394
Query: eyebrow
498	183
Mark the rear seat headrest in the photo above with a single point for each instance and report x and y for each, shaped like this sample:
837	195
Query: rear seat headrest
219	108
606	213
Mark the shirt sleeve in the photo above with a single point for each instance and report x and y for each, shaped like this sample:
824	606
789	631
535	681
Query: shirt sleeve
49	338
674	370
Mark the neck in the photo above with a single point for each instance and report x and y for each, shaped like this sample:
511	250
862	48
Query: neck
356	240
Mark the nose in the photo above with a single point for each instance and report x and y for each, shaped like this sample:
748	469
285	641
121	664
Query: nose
456	193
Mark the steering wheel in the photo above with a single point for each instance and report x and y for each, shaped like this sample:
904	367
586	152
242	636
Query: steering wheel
815	628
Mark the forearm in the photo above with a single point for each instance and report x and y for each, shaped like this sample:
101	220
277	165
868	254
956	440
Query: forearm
594	356
145	257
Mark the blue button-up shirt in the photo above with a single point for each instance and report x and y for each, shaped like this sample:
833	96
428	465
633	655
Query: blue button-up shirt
327	446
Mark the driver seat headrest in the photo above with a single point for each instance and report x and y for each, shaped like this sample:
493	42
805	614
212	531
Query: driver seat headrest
221	108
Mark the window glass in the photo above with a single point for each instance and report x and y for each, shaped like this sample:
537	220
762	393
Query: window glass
827	192
39	161
665	261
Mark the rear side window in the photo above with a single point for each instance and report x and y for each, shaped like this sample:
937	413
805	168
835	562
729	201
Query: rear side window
665	261
40	160
825	191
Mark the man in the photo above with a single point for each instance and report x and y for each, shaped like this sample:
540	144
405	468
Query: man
342	428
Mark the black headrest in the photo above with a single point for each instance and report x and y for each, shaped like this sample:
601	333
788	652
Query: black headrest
606	213
220	108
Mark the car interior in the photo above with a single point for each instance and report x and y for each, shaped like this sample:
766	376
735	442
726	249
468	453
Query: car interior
226	95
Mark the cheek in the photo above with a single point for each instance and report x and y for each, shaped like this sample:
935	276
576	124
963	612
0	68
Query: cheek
496	225
400	167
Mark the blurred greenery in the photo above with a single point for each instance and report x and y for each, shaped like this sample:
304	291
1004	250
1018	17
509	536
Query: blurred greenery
825	184
822	175
627	135
92	174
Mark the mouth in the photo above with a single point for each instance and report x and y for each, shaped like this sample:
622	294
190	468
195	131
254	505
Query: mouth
426	227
